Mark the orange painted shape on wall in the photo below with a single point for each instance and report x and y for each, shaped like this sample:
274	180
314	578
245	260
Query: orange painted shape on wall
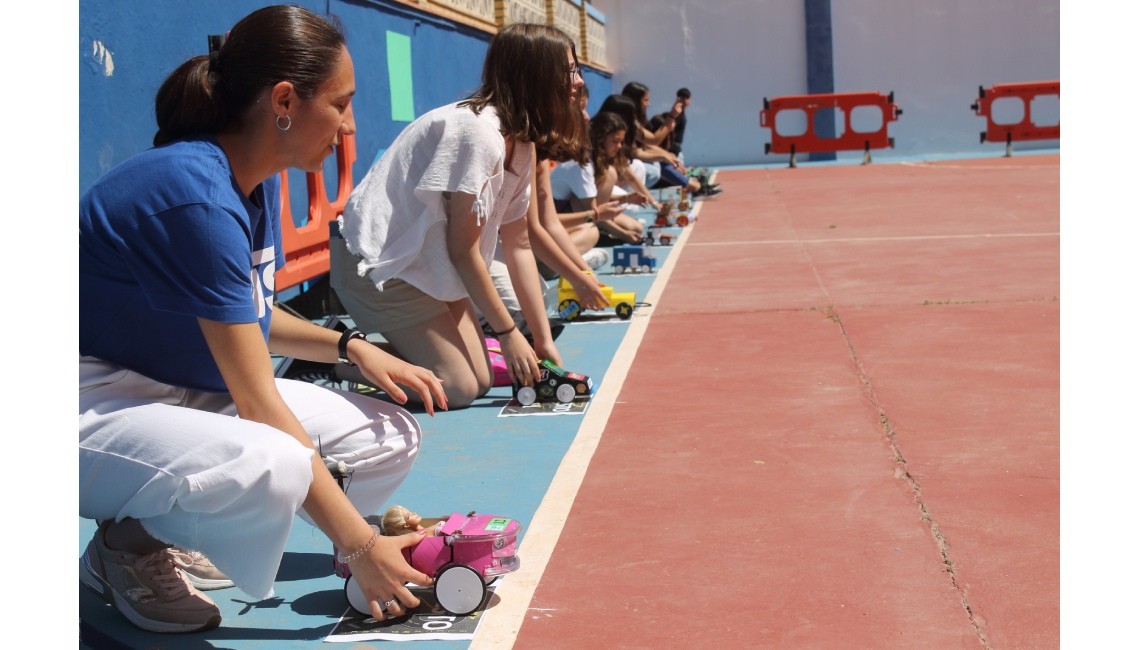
307	246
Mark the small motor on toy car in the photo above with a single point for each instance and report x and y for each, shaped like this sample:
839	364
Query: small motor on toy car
554	383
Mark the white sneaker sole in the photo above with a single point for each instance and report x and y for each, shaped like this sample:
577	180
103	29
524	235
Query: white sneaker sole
206	584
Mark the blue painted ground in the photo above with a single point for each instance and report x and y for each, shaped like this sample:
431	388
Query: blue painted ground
471	459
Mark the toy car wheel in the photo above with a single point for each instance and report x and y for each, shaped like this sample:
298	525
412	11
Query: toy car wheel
569	309
355	597
526	395
618	270
565	393
459	589
645	268
624	310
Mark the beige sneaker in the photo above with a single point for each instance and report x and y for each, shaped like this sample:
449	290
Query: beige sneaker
199	570
148	590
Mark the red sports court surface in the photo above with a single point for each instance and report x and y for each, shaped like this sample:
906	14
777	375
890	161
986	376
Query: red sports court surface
840	428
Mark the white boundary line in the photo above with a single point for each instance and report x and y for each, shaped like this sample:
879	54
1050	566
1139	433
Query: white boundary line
860	240
501	624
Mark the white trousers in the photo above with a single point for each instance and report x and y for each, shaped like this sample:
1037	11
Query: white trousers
197	476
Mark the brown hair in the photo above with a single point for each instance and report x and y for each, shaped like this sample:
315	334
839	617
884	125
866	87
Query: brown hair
527	79
602	126
637	92
211	93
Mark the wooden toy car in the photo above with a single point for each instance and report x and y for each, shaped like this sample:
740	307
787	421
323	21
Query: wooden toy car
570	307
672	219
554	383
634	257
659	238
466	554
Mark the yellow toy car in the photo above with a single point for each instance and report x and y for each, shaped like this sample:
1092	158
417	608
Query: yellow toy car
570	307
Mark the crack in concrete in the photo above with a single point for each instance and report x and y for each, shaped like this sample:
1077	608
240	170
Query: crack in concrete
903	473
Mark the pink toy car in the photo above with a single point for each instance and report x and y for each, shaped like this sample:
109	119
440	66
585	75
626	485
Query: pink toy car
466	553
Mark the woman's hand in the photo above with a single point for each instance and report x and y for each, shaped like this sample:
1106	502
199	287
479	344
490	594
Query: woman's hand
382	573
385	371
522	363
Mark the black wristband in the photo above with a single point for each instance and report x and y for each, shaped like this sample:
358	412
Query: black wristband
503	333
342	346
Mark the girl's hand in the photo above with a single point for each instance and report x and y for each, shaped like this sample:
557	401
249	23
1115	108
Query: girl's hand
589	292
611	209
522	363
549	352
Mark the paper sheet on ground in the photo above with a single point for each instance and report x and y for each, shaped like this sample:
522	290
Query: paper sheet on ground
428	621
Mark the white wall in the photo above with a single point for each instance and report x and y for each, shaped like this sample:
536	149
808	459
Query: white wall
733	53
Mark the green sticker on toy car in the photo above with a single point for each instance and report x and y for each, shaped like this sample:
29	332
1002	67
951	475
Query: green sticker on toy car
497	525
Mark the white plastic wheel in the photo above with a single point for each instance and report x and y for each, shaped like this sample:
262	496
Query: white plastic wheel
645	268
355	597
460	589
526	395
565	393
618	270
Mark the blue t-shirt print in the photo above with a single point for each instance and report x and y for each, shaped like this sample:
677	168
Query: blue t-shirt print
261	277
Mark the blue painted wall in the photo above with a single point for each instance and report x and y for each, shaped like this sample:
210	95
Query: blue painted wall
127	48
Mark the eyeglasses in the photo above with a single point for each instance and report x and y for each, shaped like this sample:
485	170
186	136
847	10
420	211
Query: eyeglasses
575	71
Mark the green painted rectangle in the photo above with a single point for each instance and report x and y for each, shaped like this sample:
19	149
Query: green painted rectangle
400	77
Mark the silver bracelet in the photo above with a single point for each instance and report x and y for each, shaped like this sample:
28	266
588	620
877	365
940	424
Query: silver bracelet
360	552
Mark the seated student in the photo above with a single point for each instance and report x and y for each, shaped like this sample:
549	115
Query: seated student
610	163
420	230
680	121
193	458
579	227
674	137
575	197
701	176
646	172
645	160
646	143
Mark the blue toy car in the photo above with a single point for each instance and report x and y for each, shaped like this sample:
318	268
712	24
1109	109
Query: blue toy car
633	257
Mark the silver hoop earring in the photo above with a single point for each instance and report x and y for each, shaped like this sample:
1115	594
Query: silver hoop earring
288	122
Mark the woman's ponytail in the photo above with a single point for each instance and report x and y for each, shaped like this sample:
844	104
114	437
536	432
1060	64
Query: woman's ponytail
187	103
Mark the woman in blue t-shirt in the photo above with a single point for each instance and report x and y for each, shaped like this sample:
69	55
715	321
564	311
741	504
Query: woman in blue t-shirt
189	448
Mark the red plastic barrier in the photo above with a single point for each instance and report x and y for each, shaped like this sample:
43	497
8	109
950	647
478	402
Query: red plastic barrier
307	246
848	140
1026	129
